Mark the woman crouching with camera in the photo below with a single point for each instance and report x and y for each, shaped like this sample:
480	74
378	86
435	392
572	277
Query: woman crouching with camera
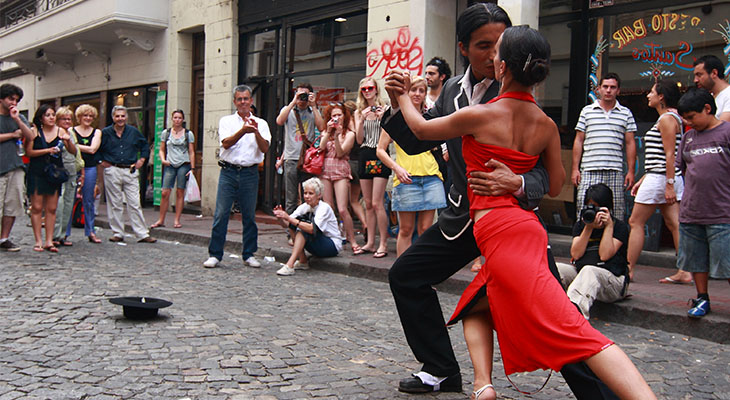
313	226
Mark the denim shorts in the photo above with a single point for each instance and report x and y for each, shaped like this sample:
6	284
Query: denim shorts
424	193
705	248
170	175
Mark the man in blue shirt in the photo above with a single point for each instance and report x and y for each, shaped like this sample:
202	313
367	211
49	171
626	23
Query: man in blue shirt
123	151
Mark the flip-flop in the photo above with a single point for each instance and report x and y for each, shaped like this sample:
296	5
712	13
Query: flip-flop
39	249
380	254
360	251
177	226
155	225
668	279
52	249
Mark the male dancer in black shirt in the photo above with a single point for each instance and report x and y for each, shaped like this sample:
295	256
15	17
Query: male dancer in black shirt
449	245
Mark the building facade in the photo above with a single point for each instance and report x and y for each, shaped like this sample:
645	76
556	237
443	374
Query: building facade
194	52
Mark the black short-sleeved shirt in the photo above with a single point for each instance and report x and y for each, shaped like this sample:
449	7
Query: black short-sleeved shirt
617	264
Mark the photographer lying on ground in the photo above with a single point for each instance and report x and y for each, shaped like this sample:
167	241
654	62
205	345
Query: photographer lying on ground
313	226
600	270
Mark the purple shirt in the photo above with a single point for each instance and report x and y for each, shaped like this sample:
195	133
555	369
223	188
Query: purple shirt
704	159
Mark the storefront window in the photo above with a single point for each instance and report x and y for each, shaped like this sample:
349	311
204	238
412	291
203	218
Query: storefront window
335	42
260	53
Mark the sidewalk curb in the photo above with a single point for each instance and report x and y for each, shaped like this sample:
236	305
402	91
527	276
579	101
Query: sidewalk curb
633	311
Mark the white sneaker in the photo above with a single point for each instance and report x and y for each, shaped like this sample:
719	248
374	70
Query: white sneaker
285	270
211	262
298	265
252	262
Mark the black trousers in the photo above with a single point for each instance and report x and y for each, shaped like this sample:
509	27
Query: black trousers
429	261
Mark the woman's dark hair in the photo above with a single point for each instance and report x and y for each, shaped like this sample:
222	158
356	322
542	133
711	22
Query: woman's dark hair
526	53
178	111
695	100
476	16
601	194
669	90
38	116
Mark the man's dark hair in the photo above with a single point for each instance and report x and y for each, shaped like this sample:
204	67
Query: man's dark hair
711	62
526	53
601	194
8	89
304	85
695	100
38	116
476	16
610	75
442	66
670	90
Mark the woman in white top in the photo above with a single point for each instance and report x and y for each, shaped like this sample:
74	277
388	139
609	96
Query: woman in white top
177	154
313	226
660	186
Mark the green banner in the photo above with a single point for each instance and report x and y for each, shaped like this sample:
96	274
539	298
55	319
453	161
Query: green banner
159	127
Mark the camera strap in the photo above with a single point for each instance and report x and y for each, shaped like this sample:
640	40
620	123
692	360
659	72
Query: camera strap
300	125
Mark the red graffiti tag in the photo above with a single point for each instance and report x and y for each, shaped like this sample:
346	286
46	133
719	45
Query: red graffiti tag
401	53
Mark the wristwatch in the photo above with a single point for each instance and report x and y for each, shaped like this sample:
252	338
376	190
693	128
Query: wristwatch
670	181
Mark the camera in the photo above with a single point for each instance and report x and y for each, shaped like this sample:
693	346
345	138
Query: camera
588	213
374	108
303	96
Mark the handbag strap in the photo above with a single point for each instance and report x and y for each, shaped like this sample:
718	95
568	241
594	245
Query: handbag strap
305	139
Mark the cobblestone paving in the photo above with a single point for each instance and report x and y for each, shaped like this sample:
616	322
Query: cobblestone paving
240	333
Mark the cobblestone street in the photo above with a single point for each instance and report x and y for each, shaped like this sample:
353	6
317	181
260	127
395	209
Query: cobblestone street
240	333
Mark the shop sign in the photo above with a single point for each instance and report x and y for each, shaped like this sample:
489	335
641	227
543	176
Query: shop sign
329	95
157	163
658	23
600	3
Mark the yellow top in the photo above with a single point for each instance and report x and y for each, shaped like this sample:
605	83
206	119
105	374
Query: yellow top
422	164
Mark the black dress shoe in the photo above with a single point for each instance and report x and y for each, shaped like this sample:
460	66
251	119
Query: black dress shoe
415	385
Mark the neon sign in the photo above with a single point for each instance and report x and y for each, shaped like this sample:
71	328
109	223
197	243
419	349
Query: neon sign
652	53
658	23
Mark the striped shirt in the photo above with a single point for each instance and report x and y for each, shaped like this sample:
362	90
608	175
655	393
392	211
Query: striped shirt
654	158
371	133
604	136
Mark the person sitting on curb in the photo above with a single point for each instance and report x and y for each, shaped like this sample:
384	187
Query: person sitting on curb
313	226
600	270
704	218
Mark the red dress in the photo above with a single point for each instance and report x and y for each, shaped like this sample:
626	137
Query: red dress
537	326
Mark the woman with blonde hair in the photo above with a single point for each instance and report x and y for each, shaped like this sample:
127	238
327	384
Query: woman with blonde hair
64	210
418	188
373	173
45	148
89	140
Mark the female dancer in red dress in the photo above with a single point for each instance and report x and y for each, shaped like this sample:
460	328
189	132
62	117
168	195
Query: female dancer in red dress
537	326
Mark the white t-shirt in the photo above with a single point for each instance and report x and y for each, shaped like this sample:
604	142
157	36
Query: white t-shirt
246	151
722	100
325	220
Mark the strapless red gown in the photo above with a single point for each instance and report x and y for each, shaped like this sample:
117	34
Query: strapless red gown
537	326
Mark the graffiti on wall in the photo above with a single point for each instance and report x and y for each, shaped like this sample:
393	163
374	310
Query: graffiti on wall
402	53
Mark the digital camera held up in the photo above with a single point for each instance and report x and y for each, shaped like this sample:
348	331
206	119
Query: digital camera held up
303	96
588	213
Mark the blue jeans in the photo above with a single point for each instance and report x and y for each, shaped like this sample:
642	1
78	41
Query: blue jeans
241	185
87	193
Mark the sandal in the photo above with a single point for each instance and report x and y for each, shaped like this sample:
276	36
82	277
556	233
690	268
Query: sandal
94	239
157	225
64	242
360	250
478	392
39	249
177	225
52	249
380	254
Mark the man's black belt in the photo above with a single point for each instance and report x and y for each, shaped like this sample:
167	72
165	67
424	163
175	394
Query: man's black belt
226	164
122	165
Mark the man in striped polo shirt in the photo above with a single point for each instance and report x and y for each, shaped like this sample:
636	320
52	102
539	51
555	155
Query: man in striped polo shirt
603	129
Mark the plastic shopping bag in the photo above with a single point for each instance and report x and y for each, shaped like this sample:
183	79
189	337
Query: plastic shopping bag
192	191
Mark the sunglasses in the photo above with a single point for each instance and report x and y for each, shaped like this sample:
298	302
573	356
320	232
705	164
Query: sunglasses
367	88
